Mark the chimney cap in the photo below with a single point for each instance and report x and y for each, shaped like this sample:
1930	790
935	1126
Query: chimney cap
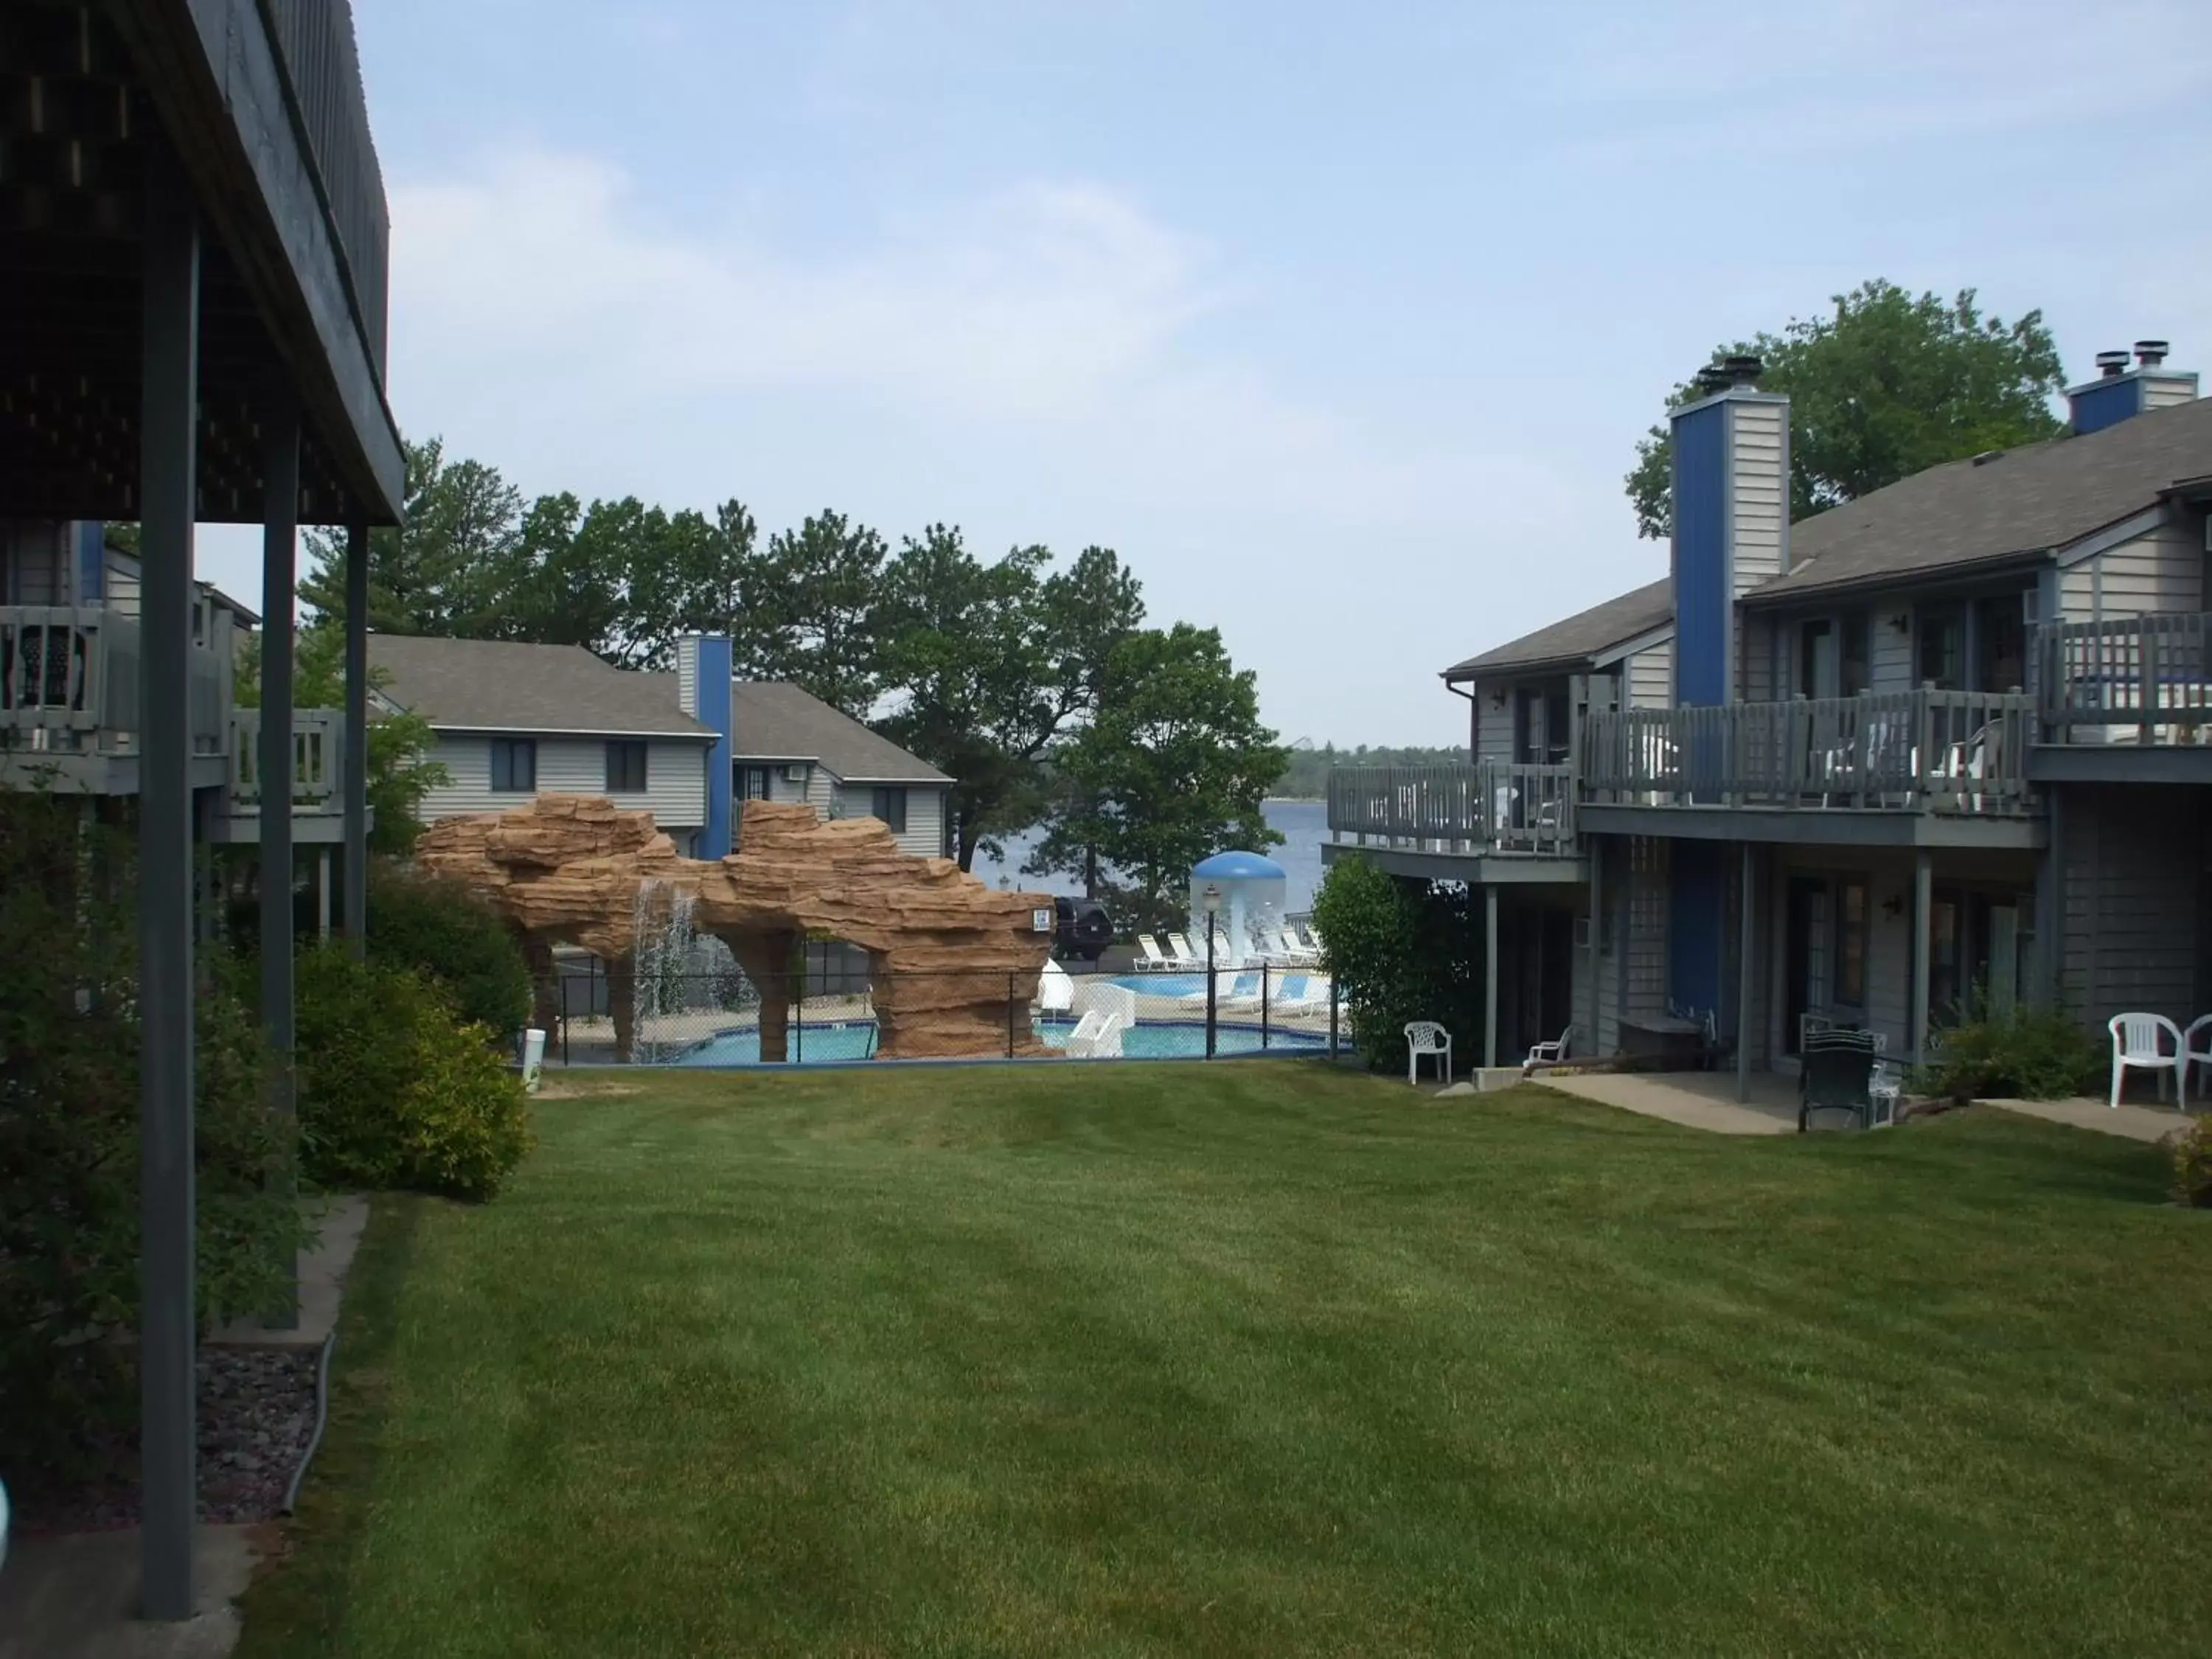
1712	378
1742	367
2150	353
2111	364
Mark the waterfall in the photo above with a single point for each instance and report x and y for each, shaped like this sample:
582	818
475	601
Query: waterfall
663	942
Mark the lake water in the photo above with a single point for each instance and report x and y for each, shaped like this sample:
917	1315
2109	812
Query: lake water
1302	824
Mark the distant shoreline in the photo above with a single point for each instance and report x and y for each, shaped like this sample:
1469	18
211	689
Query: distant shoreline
1292	800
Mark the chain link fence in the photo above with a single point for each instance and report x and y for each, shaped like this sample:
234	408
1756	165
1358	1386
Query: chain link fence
703	1010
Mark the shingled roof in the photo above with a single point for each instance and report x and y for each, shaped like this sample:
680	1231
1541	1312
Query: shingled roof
775	721
501	685
2019	503
1587	633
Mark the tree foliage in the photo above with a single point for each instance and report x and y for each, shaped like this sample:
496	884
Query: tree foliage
1885	386
1171	768
1305	771
1400	951
985	668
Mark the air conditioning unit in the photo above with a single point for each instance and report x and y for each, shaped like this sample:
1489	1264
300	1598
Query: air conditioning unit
794	774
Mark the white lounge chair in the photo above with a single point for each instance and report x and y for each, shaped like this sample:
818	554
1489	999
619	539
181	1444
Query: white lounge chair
1150	959
1294	950
2195	1050
2135	1043
1425	1036
1551	1053
1183	956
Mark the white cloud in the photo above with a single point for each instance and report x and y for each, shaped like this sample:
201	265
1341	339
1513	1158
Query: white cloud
1028	364
1036	302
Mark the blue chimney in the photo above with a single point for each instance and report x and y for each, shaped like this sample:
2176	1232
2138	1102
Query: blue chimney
1731	516
703	687
2119	392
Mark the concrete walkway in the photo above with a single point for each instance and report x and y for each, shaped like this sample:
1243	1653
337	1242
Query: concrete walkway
1696	1100
2146	1123
76	1596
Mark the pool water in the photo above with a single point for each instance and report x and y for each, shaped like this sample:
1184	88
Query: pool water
1282	985
850	1040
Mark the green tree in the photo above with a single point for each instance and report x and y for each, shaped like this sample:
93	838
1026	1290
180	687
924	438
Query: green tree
399	774
450	571
824	587
1887	386
1171	768
988	663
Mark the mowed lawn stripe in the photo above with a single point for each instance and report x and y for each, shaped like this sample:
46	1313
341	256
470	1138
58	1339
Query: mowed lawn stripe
1260	1359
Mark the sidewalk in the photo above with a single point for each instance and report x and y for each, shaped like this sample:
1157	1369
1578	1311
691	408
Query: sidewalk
2146	1123
1696	1100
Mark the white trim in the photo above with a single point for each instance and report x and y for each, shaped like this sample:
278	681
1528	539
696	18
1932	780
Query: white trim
1644	641
2122	529
709	738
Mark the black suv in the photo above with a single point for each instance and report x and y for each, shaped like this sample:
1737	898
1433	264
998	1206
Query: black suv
1083	928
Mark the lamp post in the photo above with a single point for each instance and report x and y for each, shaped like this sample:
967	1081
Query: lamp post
1210	898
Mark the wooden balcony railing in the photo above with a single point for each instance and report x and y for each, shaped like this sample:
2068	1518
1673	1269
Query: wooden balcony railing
2136	679
69	682
1937	751
1482	808
318	763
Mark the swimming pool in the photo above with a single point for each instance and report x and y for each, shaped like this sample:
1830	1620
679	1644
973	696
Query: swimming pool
855	1039
1284	984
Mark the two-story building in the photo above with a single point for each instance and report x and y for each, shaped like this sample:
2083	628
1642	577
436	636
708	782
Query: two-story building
1949	740
512	720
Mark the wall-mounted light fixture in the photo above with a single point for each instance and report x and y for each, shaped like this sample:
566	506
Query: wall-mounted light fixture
1497	698
1902	622
1893	905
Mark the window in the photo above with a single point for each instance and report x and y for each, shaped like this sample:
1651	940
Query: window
625	766
889	806
1857	669
752	782
1851	943
2000	644
514	765
1816	658
1942	659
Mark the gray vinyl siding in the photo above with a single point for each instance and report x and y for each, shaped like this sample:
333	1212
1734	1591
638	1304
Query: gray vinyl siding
2160	571
687	675
2138	876
1646	941
1758	492
924	836
1756	672
1651	676
1493	720
36	565
675	777
1889	653
2164	391
780	788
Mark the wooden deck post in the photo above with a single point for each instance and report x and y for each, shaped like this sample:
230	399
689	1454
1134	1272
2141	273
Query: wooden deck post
279	534
1747	937
168	476
1489	977
1924	905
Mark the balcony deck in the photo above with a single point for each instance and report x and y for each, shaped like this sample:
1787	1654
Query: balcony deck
1923	768
1487	821
2125	700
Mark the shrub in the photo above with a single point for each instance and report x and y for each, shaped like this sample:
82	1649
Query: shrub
2022	1052
435	926
395	1090
1398	952
68	1137
2192	1162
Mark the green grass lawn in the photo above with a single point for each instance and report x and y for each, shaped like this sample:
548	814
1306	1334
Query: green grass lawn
1258	1358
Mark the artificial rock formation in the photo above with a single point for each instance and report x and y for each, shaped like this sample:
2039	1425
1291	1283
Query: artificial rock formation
953	963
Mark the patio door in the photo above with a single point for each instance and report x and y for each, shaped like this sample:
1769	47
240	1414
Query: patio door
1805	950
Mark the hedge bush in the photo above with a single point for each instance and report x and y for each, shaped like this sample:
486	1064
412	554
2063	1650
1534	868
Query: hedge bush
395	1089
435	926
2020	1053
1399	952
68	1138
2192	1164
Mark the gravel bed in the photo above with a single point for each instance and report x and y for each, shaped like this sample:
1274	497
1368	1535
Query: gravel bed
257	1409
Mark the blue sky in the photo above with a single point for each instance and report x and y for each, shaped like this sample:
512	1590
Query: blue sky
1339	323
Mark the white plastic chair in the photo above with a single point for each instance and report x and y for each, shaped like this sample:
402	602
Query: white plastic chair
2135	1043
2195	1050
1152	959
1425	1036
1551	1053
1184	957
